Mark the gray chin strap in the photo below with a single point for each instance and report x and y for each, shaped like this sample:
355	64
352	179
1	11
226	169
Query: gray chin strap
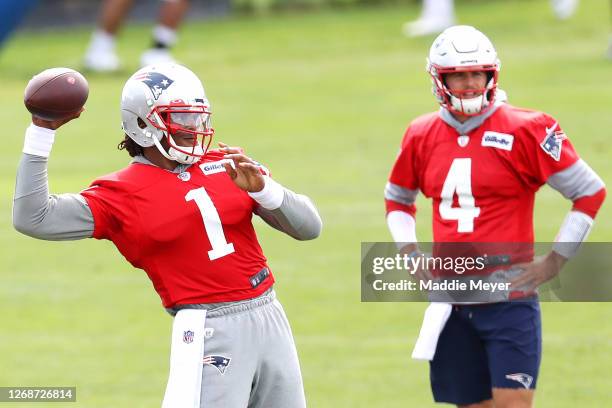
180	157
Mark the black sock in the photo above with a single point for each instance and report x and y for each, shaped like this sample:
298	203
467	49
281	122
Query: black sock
160	45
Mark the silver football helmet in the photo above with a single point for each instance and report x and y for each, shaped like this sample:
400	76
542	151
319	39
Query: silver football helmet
166	100
460	49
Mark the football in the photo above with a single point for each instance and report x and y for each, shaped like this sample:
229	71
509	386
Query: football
56	93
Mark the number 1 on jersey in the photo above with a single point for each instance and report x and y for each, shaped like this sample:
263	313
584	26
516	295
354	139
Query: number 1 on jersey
459	181
212	223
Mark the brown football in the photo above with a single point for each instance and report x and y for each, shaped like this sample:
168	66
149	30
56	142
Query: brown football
56	93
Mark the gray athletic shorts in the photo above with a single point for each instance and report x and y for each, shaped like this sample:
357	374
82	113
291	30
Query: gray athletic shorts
250	358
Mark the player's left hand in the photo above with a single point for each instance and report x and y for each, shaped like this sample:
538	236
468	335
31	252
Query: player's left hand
541	270
229	149
245	172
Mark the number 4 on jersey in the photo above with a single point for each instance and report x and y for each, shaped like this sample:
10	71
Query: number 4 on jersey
459	181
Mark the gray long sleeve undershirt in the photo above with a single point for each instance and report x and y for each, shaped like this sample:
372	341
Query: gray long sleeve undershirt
43	216
68	217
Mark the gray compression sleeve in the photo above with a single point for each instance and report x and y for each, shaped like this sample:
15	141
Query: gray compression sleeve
40	215
296	216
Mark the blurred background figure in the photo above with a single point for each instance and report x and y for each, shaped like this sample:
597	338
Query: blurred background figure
438	15
564	9
11	14
101	55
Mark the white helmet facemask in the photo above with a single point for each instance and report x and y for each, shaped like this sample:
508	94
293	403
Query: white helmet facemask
474	105
469	106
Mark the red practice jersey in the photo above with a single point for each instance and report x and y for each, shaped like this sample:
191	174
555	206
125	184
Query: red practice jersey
191	232
483	184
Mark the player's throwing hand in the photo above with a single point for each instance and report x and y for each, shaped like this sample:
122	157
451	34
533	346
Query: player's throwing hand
54	124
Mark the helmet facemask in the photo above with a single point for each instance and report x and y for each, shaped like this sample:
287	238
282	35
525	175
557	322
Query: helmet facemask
453	100
184	123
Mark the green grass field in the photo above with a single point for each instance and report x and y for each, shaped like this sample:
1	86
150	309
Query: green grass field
322	99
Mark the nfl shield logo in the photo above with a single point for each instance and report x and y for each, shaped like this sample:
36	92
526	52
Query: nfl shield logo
185	176
188	337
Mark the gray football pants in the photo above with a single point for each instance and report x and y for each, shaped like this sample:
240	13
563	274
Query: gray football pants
250	357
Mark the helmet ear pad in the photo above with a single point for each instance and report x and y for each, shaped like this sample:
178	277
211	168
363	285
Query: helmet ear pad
141	123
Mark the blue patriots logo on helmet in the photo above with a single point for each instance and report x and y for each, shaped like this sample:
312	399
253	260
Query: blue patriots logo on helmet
220	362
156	82
553	142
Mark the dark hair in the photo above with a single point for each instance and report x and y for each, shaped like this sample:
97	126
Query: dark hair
130	145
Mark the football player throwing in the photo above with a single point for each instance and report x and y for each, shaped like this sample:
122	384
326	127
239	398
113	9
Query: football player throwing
183	212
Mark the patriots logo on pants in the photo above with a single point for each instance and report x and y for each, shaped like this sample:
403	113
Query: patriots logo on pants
524	379
220	362
553	142
156	82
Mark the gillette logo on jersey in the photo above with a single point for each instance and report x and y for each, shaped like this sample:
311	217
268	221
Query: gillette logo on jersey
498	140
214	167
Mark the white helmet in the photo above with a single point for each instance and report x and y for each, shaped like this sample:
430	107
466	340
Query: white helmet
164	100
461	49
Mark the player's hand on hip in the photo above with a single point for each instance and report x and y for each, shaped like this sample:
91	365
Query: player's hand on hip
54	124
245	172
542	269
